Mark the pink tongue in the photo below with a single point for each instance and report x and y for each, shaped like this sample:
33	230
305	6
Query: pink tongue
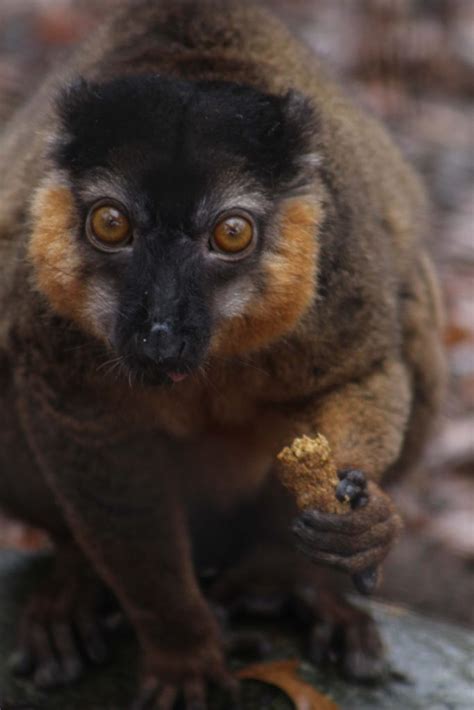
177	376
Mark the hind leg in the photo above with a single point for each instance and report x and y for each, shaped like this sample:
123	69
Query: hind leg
275	582
273	579
63	624
426	356
339	632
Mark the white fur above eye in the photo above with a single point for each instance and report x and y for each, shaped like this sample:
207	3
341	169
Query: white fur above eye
101	186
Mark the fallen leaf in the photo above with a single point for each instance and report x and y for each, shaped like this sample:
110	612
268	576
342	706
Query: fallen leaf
455	334
284	675
16	535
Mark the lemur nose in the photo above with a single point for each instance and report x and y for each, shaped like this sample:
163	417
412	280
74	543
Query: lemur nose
163	343
160	326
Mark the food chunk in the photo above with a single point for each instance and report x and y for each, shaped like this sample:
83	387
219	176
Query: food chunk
307	470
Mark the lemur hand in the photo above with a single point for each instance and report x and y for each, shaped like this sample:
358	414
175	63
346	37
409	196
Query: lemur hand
355	542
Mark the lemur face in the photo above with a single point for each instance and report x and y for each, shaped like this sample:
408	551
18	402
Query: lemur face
179	220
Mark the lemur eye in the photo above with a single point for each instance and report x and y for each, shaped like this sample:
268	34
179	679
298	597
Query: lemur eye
108	227
233	235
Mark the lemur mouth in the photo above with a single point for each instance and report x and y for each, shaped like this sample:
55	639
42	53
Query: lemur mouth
177	376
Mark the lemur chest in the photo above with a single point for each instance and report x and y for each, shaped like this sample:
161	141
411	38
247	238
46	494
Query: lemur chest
227	398
191	411
223	439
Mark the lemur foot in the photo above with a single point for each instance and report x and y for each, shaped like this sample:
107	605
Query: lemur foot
188	688
340	634
356	542
333	631
63	625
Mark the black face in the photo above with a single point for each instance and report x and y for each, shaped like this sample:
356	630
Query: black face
176	183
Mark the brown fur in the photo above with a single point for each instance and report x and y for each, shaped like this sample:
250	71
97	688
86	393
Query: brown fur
53	252
342	338
58	271
290	285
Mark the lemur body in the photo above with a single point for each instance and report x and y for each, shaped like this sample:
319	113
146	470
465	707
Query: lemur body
328	321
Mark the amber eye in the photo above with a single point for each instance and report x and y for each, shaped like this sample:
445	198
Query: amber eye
108	227
233	235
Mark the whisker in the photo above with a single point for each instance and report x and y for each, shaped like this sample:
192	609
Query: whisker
112	361
230	360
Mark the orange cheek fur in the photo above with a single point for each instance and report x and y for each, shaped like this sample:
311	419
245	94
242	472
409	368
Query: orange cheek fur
290	282
54	255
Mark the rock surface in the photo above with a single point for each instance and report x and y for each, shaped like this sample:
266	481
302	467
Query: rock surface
430	662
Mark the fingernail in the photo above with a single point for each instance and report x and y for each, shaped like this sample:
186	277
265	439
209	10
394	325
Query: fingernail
21	663
360	502
366	582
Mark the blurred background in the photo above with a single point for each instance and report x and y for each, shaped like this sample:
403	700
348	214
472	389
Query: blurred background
411	62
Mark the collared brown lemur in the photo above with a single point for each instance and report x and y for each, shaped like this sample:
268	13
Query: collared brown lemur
206	250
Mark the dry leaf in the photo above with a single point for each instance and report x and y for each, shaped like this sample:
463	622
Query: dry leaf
455	334
284	675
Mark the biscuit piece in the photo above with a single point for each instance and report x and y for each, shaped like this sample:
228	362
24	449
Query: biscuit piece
307	471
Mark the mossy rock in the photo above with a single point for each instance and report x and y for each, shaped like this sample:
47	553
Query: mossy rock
431	662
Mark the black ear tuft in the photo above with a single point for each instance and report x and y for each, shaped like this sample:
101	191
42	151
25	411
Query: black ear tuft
72	102
95	118
299	131
76	108
299	112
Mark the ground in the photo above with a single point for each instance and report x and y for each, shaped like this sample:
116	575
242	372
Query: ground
441	679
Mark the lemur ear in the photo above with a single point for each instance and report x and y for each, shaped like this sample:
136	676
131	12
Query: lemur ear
72	100
93	116
301	128
75	110
299	111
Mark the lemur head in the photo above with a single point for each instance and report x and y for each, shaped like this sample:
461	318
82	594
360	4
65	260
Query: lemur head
179	219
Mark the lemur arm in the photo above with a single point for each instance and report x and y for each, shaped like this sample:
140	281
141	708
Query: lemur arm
132	527
364	422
